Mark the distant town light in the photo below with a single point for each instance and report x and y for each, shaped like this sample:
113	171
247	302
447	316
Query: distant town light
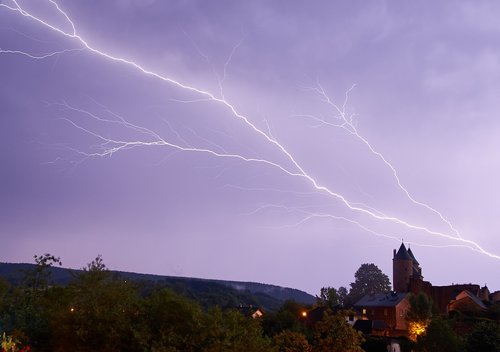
304	314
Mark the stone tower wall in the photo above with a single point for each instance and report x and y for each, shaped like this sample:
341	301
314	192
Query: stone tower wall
401	272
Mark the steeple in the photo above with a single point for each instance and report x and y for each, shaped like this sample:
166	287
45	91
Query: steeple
403	254
410	253
402	269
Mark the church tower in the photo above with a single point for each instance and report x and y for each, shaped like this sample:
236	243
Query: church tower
402	269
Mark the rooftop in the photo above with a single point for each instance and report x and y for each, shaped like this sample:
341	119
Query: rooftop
402	253
391	299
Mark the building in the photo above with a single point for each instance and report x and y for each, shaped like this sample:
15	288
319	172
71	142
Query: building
251	311
465	301
407	277
383	313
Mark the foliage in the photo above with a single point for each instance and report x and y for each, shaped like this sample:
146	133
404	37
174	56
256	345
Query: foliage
290	341
420	308
494	311
10	344
101	311
231	331
333	334
97	312
328	297
485	337
440	337
286	318
40	278
169	322
419	315
25	307
342	294
368	279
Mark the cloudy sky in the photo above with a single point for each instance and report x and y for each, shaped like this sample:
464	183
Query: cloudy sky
214	139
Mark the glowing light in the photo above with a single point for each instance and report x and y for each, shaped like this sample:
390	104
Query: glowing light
415	329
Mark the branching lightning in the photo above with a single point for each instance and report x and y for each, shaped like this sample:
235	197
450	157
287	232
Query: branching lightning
108	146
347	124
309	216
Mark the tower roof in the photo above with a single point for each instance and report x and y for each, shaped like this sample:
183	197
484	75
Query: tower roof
402	253
410	253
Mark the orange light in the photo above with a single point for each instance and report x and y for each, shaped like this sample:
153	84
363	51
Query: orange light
72	309
416	329
304	314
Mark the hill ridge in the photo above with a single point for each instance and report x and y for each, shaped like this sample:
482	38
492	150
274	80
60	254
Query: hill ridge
269	296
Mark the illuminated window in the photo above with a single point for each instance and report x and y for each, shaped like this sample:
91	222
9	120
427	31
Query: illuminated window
364	311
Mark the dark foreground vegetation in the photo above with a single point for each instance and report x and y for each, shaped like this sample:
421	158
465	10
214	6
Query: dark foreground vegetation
98	310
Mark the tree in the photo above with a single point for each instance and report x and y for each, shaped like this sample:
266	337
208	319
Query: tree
40	278
342	293
25	308
328	297
368	279
289	341
419	315
286	318
485	337
169	322
440	337
98	312
229	330
333	334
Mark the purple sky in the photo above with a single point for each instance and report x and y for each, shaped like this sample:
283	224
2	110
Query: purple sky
248	200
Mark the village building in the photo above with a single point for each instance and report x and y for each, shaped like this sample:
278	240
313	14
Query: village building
407	277
383	313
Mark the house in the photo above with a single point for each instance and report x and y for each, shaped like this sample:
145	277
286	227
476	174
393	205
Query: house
251	311
466	301
316	314
386	311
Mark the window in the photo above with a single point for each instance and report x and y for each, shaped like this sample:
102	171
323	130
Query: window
386	312
364	311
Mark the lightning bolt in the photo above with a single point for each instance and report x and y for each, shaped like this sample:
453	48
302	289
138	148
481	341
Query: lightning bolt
309	216
109	146
347	124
